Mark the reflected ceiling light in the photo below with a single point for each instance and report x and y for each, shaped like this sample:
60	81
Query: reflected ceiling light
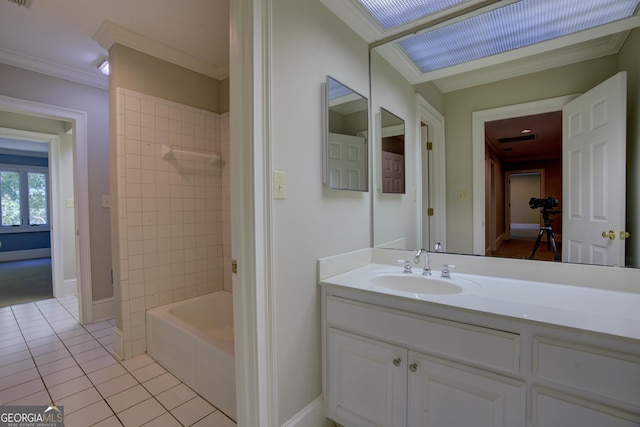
392	13
509	27
524	131
104	67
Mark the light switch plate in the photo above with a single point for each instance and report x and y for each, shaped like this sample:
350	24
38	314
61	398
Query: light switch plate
279	185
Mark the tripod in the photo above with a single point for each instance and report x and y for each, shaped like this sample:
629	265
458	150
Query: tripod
551	241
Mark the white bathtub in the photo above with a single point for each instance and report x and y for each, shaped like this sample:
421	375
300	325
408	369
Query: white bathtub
193	339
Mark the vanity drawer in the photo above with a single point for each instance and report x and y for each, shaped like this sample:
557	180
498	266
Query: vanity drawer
479	346
594	370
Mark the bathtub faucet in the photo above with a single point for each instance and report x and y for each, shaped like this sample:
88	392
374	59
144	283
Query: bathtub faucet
426	271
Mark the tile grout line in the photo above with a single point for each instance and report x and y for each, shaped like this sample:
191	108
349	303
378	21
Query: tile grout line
73	356
33	360
58	305
86	374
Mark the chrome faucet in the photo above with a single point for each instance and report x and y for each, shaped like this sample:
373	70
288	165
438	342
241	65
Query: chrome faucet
407	265
437	247
446	270
426	271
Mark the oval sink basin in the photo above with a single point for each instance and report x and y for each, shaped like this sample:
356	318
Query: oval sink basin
417	284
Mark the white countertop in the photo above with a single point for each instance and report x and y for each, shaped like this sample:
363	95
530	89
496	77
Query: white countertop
598	310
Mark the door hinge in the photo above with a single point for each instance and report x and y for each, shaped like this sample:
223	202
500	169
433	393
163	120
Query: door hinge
430	212
234	266
429	146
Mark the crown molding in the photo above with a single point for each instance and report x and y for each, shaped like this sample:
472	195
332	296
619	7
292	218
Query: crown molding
51	69
109	34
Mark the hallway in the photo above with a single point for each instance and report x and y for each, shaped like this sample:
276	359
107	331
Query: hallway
47	357
25	280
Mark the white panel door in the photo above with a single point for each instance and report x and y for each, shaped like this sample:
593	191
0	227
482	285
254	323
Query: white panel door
366	381
444	394
593	163
347	162
392	173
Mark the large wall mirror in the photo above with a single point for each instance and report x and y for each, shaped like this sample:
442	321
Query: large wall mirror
345	151
504	144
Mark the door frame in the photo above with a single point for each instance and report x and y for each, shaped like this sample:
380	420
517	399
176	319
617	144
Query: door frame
433	192
478	119
57	254
78	120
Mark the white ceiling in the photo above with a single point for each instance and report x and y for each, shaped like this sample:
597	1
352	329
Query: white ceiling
57	36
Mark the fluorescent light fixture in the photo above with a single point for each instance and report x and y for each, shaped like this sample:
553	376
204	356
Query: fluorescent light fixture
104	67
392	13
509	27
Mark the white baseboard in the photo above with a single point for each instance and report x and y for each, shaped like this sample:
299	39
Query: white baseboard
117	345
26	254
69	287
103	309
311	415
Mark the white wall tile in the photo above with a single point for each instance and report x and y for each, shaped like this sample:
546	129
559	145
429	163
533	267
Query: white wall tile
173	215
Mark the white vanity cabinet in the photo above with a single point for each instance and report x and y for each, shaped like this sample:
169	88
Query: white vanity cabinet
376	373
430	366
445	394
366	381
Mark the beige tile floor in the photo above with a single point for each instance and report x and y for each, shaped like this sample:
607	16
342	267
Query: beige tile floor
46	357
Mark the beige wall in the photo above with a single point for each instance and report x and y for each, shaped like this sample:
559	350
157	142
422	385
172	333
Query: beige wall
153	76
308	43
23	84
68	220
395	215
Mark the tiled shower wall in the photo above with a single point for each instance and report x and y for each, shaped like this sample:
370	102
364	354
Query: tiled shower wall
173	214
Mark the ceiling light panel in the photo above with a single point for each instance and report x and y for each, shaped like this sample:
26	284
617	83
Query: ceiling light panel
516	25
392	13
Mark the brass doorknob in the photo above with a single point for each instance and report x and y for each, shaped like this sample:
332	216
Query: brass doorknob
609	234
624	235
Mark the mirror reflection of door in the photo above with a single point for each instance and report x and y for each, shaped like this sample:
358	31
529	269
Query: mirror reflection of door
347	162
594	152
393	150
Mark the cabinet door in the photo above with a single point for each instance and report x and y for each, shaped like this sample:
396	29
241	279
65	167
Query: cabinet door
366	381
555	409
446	394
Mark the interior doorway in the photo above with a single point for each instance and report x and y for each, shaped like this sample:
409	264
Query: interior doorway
79	203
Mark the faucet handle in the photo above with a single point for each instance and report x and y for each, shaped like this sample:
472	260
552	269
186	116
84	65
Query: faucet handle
407	265
446	270
437	247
